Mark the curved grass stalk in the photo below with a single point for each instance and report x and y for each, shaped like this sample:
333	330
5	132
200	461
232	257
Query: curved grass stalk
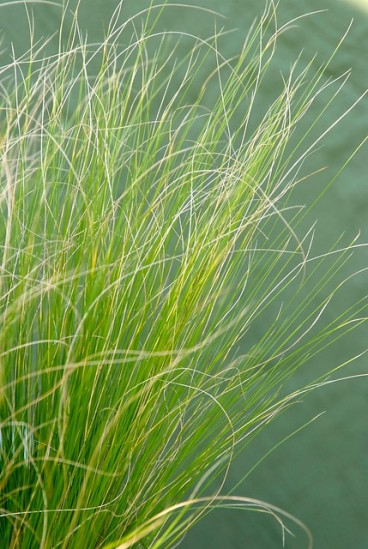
147	231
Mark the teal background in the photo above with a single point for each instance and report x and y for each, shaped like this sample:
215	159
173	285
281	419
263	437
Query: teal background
321	473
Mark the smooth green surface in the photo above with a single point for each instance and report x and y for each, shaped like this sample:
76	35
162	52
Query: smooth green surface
320	475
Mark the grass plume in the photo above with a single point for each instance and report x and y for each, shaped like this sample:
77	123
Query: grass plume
145	228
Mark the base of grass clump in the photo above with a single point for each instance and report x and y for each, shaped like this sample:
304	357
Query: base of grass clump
143	234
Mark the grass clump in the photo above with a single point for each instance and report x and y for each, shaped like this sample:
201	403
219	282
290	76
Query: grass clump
145	229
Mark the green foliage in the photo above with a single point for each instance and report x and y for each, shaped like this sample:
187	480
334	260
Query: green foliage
145	229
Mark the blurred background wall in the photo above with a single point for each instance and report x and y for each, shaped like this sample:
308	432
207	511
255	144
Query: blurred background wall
320	474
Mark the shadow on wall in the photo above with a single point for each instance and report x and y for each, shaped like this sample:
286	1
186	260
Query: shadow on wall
321	474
